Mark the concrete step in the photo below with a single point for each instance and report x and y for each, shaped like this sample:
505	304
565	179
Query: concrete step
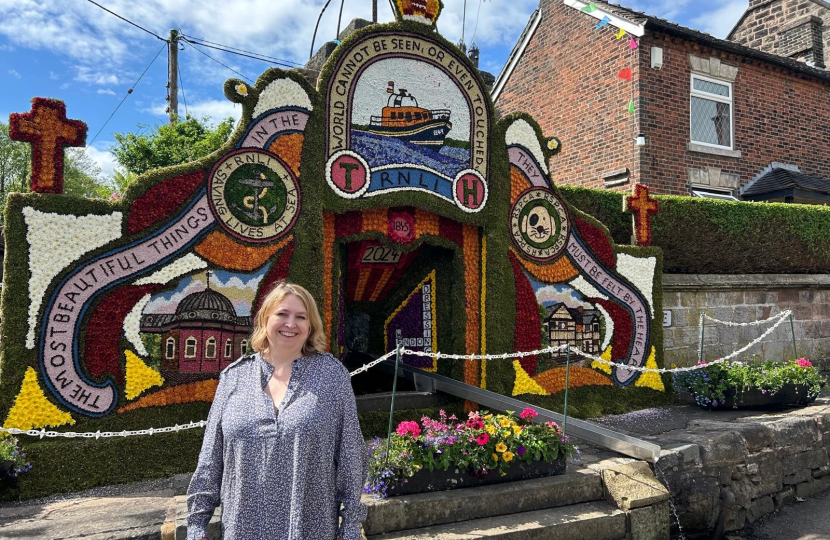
445	507
592	520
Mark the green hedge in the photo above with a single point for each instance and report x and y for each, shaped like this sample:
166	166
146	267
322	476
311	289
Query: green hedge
707	236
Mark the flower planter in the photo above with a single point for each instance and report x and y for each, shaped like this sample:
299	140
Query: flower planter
789	394
453	478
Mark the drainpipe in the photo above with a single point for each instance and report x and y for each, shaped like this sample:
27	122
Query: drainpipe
727	506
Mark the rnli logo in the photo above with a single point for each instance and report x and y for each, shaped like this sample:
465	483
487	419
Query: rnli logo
539	224
253	195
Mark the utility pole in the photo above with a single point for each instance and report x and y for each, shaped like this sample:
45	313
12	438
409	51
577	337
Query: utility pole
173	76
374	11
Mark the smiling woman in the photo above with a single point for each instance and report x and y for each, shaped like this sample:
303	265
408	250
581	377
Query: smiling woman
282	435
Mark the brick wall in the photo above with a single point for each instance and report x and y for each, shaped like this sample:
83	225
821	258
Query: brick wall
763	21
567	79
778	115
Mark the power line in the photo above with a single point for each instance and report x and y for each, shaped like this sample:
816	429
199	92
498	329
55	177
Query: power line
237	53
129	91
184	97
127	20
193	46
236	50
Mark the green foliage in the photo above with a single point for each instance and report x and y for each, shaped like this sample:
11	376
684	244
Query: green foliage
11	452
709	386
606	206
169	144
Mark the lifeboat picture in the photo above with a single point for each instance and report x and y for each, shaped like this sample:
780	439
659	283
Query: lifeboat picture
403	119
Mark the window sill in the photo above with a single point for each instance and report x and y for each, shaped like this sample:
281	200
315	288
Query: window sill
703	149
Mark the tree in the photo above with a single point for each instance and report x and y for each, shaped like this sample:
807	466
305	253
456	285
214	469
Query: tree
81	175
169	144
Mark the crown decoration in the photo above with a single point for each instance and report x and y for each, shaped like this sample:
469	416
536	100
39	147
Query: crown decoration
422	11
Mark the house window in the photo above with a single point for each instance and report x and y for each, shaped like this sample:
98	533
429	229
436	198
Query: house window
228	348
244	346
711	112
713	194
190	347
170	348
210	348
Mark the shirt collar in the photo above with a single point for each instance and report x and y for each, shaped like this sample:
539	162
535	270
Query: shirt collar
266	369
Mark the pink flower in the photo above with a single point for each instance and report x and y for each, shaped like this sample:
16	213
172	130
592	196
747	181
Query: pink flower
528	414
475	423
803	362
482	439
408	428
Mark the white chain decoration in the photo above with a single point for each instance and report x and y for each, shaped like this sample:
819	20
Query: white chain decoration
785	313
41	433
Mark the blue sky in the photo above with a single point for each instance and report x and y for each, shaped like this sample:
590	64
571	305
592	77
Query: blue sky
75	51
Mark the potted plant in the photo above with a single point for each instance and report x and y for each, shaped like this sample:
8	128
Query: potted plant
756	383
447	453
13	461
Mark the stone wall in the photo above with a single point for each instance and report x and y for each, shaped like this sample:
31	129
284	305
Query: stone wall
764	461
743	299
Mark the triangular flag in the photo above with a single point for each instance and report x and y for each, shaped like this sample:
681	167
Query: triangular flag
631	106
605	20
632	44
590	8
625	74
620	34
605	368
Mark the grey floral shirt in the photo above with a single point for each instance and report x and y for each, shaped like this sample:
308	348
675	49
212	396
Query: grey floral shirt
281	476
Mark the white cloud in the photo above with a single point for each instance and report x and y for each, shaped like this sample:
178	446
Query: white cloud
216	110
557	293
91	75
53	76
65	85
14	74
720	22
106	91
102	157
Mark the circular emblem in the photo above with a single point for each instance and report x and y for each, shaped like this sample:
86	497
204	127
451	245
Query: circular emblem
254	195
469	190
539	224
401	228
347	173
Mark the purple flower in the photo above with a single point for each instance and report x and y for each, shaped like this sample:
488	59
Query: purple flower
521	451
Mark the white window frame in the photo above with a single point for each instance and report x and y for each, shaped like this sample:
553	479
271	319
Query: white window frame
170	348
713	97
210	347
188	343
228	347
714	194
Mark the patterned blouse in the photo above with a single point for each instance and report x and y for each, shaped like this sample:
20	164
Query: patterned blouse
281	475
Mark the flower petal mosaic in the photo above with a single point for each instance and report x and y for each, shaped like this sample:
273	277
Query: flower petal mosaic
390	191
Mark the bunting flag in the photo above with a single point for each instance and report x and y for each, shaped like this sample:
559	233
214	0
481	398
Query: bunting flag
631	106
605	20
590	8
632	44
620	34
625	74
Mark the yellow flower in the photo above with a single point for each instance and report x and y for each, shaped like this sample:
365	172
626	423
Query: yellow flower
495	457
501	447
506	433
489	416
490	429
504	422
517	430
241	89
508	456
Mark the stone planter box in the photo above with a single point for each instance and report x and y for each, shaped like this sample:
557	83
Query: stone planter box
453	478
790	394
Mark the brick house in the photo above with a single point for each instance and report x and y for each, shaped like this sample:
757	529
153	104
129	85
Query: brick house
578	326
711	117
204	335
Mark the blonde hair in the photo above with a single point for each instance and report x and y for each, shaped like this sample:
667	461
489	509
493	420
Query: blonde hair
316	341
